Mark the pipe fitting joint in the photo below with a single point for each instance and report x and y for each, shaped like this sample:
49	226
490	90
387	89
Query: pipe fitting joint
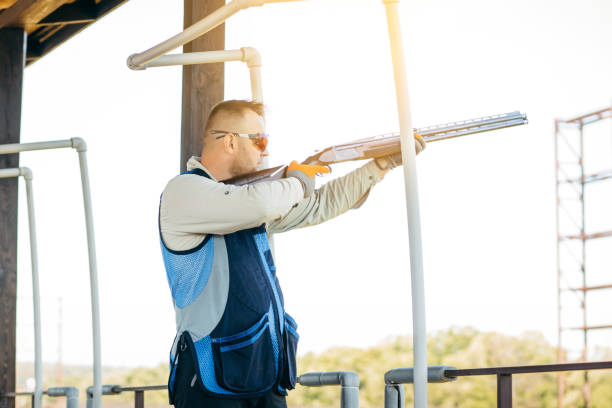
107	389
318	379
251	56
405	375
79	144
70	392
131	65
26	173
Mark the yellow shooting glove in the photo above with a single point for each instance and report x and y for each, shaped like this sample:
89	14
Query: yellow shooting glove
306	174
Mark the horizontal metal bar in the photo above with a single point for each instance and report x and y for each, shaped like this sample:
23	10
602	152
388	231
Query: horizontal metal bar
608	326
9	173
23	147
319	379
141	388
543	368
196	58
17	394
589	178
590	117
405	375
602	234
587	288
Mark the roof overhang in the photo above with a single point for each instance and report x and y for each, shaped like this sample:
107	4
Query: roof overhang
49	23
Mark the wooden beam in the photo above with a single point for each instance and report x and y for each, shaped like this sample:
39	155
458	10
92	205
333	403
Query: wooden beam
27	13
41	42
12	62
202	84
40	46
4	4
77	12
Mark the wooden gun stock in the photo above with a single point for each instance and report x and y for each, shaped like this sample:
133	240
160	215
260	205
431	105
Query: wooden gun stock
384	145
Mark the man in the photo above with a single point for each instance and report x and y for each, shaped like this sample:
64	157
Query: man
235	345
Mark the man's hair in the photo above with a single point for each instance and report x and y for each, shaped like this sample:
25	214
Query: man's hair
235	106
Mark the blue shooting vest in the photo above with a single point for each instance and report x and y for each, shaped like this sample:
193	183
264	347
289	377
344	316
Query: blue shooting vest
252	348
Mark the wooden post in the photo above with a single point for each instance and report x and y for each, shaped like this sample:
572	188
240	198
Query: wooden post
202	84
12	63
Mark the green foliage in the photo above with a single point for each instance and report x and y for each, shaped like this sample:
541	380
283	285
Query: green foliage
462	348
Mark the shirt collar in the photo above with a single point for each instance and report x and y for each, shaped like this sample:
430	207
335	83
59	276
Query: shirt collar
194	163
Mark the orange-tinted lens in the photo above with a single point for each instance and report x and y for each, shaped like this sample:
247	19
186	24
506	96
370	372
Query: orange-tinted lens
261	142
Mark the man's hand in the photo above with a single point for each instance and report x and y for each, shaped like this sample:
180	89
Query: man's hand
306	174
394	160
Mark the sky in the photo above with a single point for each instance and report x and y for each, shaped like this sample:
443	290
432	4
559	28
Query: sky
487	201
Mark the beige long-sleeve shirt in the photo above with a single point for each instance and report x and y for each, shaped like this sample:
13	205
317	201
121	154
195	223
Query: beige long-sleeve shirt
193	206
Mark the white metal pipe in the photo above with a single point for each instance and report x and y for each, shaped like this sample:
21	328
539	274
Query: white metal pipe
38	369
193	58
93	275
214	19
256	87
412	205
253	60
249	55
9	173
23	147
81	147
196	30
26	173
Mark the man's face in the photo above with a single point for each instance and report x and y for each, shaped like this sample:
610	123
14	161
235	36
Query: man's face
247	157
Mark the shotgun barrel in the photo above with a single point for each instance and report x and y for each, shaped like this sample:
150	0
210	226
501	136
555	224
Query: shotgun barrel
386	144
383	145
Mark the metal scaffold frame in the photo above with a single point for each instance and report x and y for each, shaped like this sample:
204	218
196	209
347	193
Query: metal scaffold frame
572	243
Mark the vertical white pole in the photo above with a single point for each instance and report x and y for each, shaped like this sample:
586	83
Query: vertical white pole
26	173
93	279
35	292
412	205
256	86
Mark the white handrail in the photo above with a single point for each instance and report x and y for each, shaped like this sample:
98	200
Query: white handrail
412	205
249	55
196	30
81	147
26	173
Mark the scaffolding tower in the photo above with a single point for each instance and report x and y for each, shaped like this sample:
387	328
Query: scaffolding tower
583	242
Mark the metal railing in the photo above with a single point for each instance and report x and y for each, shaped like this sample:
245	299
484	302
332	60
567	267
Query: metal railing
118	389
395	378
348	382
71	394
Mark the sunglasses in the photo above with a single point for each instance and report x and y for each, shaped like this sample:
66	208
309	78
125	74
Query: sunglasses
259	139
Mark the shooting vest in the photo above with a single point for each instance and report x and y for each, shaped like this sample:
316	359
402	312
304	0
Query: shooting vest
231	280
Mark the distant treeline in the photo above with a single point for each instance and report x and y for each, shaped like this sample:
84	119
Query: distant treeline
459	347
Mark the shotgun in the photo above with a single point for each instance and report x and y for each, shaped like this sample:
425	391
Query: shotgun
386	144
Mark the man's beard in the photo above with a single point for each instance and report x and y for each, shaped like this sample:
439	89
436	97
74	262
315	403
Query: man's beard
238	167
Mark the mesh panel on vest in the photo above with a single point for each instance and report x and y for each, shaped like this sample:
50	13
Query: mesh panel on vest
188	273
207	366
275	348
261	241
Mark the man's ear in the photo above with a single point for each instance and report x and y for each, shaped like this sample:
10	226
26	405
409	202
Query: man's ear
229	143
